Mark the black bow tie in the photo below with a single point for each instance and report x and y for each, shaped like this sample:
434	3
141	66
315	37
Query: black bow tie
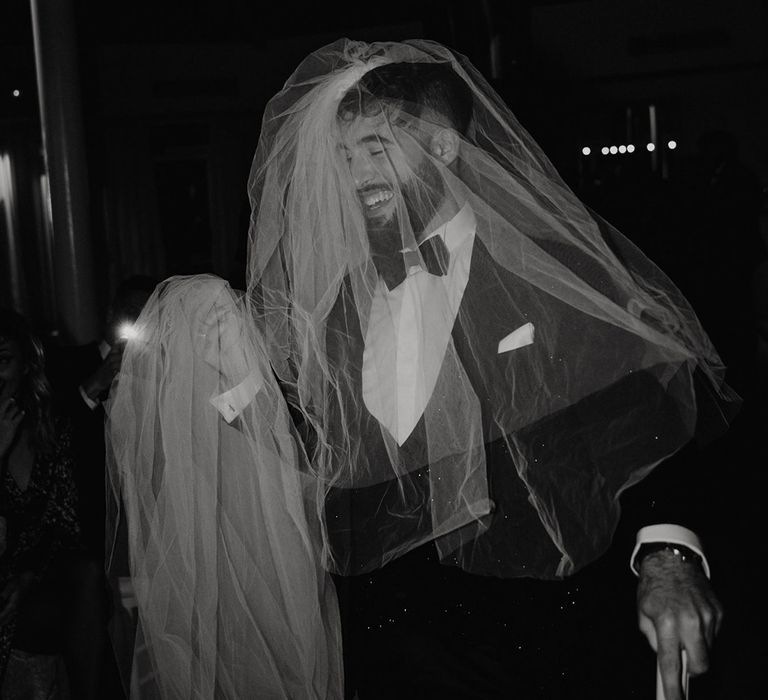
432	256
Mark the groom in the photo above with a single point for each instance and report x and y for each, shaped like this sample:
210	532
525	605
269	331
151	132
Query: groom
450	353
401	177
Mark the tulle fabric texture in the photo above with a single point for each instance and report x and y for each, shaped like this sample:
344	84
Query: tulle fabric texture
518	459
225	560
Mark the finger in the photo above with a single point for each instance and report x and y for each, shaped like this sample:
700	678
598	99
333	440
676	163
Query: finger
669	662
649	630
714	620
698	658
702	622
694	640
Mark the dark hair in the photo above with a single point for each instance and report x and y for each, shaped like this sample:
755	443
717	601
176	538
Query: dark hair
130	285
34	393
413	86
128	300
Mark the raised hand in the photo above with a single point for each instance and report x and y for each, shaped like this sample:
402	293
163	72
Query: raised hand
677	610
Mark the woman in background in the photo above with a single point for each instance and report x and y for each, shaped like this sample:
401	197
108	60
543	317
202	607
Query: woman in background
47	589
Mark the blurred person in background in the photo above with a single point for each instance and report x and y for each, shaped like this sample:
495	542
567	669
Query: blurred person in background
81	377
50	593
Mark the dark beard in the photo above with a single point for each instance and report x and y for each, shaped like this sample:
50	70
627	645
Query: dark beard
422	196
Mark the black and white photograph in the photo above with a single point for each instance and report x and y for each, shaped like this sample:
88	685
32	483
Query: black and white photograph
412	350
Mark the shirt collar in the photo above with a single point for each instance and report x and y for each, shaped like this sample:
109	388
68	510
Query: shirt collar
457	230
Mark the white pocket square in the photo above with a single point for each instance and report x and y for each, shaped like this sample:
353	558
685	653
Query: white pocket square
517	339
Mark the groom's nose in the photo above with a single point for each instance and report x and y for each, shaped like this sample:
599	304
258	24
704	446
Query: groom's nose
362	169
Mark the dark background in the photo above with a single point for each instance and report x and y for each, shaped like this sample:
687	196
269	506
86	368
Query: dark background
172	97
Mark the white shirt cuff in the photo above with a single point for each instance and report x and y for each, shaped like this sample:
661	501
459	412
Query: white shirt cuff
233	402
88	400
674	534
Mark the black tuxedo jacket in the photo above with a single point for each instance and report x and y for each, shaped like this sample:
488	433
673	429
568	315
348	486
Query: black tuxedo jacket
585	498
418	627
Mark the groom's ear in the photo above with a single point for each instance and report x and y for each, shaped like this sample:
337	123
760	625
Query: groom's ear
444	145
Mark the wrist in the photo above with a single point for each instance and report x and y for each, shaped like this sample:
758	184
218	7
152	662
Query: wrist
664	536
667	552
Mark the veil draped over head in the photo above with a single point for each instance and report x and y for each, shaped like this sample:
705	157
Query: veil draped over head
500	405
225	560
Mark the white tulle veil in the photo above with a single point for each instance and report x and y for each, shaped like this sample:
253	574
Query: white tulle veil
609	385
225	559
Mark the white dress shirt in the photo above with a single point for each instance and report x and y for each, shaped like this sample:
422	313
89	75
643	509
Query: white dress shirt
409	329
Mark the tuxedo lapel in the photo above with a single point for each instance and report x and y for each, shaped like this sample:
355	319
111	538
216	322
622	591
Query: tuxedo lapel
488	314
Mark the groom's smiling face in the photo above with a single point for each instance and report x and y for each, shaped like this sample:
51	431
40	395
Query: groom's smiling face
391	172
